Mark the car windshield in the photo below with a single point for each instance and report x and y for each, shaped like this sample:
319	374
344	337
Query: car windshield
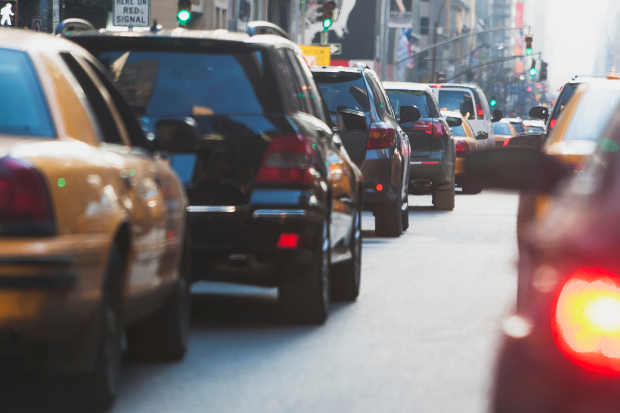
343	91
417	98
191	84
457	101
23	107
500	128
592	114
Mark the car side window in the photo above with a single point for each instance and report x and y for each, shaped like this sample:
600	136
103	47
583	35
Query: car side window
134	130
302	82
107	125
380	103
315	96
291	90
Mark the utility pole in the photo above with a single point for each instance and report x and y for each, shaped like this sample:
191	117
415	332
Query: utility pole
433	72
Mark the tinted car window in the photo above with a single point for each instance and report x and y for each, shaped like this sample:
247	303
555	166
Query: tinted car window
592	115
381	104
566	94
501	128
23	107
417	98
458	130
185	84
347	91
457	101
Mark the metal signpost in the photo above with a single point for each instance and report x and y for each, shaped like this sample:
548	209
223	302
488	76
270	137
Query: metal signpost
132	13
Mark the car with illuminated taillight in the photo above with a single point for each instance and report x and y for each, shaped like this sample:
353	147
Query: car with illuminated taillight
433	153
466	142
503	131
472	103
93	240
275	199
381	149
561	350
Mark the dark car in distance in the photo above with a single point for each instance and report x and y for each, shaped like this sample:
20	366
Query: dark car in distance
274	198
433	151
381	149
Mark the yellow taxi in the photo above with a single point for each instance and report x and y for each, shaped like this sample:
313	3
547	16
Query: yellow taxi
503	131
92	224
466	141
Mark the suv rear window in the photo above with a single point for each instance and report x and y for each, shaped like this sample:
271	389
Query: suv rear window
23	107
418	98
348	91
166	83
457	101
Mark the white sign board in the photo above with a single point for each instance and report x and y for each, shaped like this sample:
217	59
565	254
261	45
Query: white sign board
37	24
55	14
132	13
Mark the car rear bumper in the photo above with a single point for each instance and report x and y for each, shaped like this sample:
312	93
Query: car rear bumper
381	179
50	290
432	170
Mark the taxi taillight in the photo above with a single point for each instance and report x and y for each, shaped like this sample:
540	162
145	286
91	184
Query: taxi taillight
25	204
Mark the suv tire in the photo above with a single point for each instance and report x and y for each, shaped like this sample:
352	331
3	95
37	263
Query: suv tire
346	275
405	211
389	219
164	335
304	297
443	199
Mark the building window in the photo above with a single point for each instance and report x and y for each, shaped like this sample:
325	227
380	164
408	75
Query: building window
424	25
224	19
218	18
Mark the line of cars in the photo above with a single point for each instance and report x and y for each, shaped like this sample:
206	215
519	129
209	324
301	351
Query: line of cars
560	349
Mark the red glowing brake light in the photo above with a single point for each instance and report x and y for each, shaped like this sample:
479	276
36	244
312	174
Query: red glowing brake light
381	138
289	241
462	148
506	142
479	110
437	86
25	204
439	130
552	123
587	320
288	159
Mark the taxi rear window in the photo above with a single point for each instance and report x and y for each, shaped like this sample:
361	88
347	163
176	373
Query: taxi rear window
23	108
457	101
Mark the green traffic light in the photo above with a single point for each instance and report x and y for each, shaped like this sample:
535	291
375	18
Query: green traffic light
533	71
184	16
493	102
528	52
327	23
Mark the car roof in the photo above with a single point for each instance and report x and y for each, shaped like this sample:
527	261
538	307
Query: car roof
455	85
407	86
452	114
334	69
23	39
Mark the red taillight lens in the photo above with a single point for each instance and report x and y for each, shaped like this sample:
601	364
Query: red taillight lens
379	187
437	86
288	159
506	142
552	123
289	241
25	205
462	148
380	138
587	320
423	126
479	110
439	130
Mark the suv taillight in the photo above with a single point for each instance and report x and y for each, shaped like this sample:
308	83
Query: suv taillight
439	130
381	138
289	159
25	204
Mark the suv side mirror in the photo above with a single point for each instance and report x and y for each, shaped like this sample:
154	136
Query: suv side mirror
176	135
539	112
515	168
482	135
351	120
409	114
497	115
453	121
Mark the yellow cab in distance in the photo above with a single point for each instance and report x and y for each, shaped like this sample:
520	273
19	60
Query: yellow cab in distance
466	142
503	131
92	224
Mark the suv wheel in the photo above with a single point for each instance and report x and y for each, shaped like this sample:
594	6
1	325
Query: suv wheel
389	219
346	275
443	199
405	218
304	297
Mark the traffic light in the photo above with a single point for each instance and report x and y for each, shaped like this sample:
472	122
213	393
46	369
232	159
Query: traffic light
184	13
493	102
327	14
528	44
533	70
543	71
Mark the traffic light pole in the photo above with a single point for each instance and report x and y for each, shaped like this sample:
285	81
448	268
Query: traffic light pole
462	36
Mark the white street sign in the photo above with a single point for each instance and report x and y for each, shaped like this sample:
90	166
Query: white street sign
132	13
37	24
335	48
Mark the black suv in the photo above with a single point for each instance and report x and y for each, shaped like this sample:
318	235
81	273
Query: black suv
433	151
274	198
381	148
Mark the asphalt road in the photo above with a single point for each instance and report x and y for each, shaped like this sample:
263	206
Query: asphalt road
421	337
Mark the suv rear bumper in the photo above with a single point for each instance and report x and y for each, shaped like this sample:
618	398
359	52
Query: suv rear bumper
381	179
430	169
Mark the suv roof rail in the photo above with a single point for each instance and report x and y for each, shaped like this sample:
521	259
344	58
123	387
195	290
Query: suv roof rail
262	27
73	25
362	66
